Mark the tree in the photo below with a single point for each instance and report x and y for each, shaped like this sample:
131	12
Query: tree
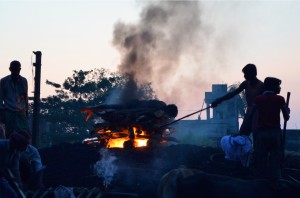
83	88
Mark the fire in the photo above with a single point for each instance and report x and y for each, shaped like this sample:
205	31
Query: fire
121	139
137	123
138	141
141	142
119	142
117	139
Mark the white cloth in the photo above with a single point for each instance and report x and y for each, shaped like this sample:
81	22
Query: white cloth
237	148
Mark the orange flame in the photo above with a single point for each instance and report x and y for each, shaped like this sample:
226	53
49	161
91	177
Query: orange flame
138	141
118	143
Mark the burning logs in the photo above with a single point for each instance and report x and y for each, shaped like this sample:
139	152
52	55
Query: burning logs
131	125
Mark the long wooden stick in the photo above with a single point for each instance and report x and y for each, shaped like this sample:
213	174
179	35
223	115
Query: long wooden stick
185	116
284	127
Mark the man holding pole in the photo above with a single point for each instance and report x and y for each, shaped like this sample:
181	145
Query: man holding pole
252	87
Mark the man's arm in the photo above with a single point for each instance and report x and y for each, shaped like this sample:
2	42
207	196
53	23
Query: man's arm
229	95
33	155
285	112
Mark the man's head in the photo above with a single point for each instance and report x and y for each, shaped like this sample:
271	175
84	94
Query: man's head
250	71
272	84
15	68
18	142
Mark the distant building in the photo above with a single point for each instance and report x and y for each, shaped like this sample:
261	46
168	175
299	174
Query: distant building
220	121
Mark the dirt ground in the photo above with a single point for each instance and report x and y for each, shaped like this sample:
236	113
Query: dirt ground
136	171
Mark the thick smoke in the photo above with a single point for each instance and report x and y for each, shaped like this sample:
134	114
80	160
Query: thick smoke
165	48
106	168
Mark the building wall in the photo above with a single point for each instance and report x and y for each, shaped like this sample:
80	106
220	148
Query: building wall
201	132
220	121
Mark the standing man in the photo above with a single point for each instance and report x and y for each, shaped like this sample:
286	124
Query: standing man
268	107
14	100
14	114
252	87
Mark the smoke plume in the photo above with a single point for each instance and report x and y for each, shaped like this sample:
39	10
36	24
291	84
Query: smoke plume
166	47
105	168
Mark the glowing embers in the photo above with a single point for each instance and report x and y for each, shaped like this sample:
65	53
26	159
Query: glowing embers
134	137
119	142
129	137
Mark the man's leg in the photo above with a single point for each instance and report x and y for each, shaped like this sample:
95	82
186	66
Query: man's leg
261	155
275	154
15	122
9	120
21	122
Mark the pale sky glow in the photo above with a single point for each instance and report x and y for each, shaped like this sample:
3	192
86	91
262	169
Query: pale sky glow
75	35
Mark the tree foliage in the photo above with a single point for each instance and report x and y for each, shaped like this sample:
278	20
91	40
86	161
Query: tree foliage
83	88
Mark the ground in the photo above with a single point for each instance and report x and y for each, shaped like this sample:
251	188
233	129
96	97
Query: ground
137	171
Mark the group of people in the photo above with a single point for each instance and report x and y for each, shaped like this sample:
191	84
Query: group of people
17	156
262	120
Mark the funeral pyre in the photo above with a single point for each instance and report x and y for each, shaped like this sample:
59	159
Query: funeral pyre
138	123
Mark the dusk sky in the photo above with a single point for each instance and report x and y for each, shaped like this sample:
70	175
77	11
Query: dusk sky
201	43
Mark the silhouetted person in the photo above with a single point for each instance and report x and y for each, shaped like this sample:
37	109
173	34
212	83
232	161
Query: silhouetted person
252	87
31	167
14	100
10	151
268	136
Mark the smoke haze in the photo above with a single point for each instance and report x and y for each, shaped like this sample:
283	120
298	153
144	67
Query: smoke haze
167	47
106	168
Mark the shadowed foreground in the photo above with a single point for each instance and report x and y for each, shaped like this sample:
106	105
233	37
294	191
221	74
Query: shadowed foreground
138	172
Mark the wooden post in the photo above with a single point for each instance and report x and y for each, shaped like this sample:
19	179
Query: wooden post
36	99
